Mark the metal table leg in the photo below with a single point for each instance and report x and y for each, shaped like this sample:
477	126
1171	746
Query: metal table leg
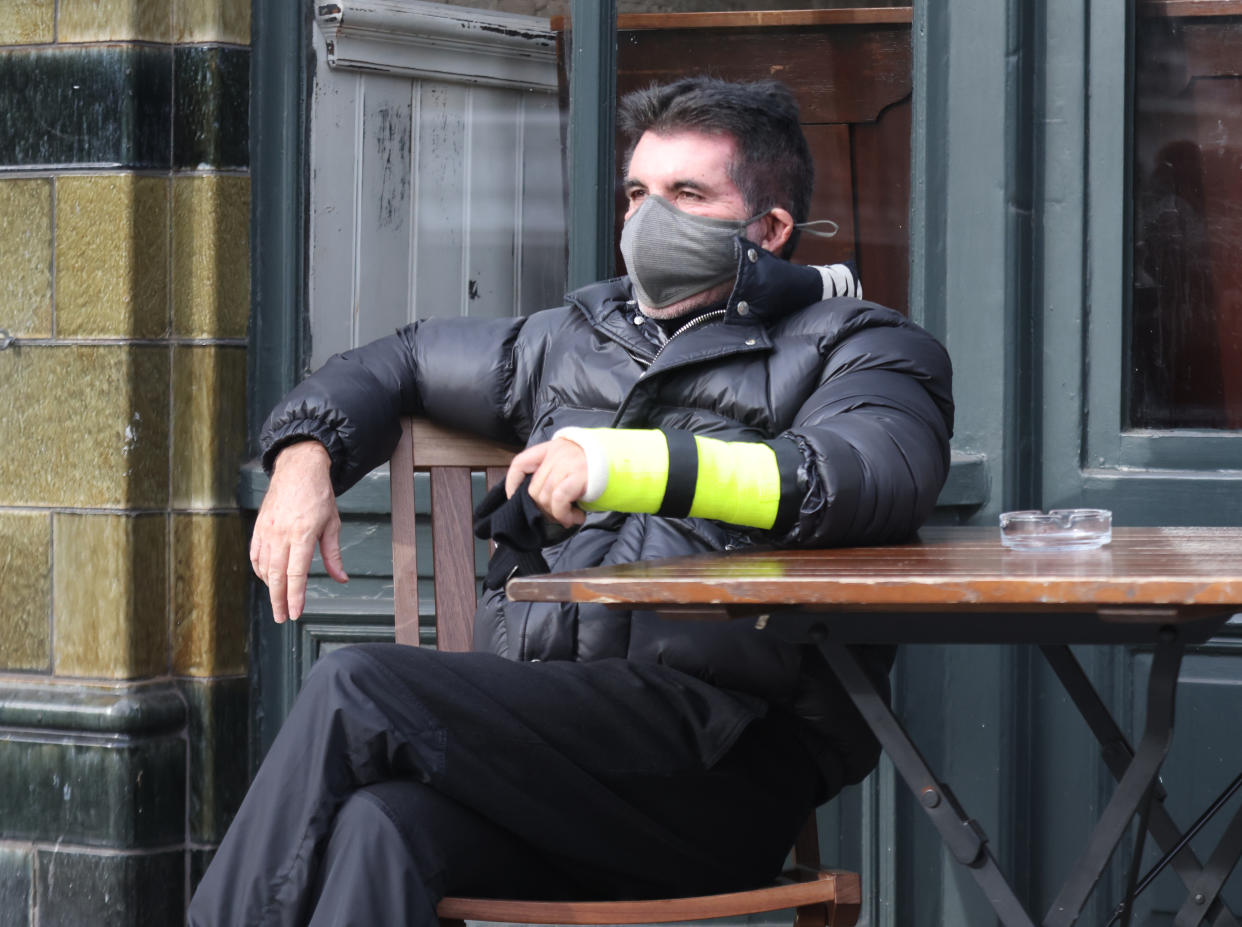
1139	776
1136	857
963	836
1136	771
1203	894
1118	755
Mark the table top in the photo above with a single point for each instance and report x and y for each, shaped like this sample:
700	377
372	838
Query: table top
1145	576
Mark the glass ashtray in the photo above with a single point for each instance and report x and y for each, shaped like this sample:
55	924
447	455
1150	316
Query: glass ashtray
1057	529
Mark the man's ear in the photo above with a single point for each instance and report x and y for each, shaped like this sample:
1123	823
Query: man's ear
777	225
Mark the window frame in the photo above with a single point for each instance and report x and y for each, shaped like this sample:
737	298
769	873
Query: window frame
1086	237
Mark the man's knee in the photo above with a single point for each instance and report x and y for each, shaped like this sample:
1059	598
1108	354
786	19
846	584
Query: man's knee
359	666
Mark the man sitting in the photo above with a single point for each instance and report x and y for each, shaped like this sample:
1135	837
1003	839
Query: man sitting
715	398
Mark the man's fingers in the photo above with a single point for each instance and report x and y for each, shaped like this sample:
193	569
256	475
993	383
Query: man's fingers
558	479
330	547
276	592
295	577
277	583
256	557
298	508
526	462
566	489
541	482
295	594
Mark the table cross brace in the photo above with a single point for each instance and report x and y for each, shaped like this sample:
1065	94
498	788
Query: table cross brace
1136	771
1118	755
1203	893
963	836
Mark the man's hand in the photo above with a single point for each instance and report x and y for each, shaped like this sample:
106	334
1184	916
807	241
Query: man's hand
559	480
298	512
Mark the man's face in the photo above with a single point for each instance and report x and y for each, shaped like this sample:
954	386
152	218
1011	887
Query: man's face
691	171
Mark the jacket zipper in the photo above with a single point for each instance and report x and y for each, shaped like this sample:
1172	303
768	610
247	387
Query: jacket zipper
693	323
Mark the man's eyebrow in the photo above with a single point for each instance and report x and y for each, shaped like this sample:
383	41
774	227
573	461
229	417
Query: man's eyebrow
631	183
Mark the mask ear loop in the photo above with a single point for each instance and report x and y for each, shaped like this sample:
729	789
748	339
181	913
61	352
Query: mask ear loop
806	227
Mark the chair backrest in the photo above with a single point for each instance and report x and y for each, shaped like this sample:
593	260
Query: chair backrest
449	457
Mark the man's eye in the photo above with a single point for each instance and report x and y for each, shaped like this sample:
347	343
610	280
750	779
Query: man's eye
636	195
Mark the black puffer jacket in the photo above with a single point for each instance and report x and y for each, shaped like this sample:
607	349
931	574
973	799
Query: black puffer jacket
863	394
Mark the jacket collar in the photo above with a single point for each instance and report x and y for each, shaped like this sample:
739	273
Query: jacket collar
767	288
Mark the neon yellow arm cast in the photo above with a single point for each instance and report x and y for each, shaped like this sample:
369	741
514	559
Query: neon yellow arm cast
679	474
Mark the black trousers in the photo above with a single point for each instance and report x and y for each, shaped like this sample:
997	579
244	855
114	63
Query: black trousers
402	775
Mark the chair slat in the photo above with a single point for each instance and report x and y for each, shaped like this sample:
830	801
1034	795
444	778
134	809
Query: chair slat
452	542
404	545
494	475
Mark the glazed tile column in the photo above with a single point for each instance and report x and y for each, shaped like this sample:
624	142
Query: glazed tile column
124	289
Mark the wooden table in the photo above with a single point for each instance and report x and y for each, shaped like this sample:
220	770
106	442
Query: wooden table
1169	587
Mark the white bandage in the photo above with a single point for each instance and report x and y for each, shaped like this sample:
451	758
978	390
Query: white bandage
597	460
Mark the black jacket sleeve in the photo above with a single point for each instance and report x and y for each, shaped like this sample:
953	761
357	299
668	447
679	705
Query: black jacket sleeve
466	373
874	435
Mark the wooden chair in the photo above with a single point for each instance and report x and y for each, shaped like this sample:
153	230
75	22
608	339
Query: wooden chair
822	898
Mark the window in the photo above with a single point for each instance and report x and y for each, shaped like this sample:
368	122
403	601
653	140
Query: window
1185	360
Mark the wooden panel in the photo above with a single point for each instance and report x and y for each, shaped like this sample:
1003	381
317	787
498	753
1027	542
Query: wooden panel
767	18
833	197
881	159
1212	48
835	17
1189	8
837	74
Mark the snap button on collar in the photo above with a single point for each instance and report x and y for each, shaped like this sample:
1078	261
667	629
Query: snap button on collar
743	307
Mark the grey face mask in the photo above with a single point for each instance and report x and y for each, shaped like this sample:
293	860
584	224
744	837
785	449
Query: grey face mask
671	254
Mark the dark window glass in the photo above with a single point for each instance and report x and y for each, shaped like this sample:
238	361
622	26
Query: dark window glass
1186	316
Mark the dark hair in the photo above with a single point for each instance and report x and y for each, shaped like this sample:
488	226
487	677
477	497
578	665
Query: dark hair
773	164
